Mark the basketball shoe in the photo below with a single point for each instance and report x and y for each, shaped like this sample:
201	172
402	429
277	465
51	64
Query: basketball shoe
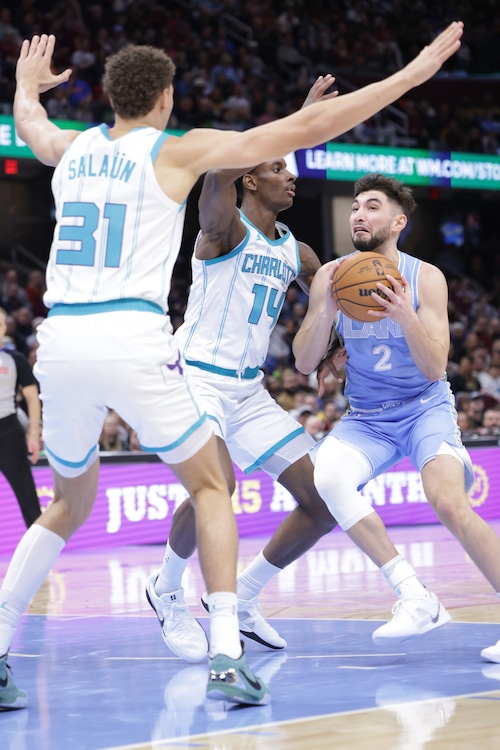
254	625
10	696
233	681
492	653
412	617
181	632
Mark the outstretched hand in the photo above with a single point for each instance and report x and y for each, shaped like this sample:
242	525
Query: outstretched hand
331	365
317	90
34	64
432	57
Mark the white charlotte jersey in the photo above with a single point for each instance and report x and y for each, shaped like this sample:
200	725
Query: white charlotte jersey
235	301
117	235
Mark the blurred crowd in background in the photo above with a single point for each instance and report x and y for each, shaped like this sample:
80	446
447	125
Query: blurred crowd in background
246	62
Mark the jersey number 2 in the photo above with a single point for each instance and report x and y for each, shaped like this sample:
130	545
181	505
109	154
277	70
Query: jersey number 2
83	234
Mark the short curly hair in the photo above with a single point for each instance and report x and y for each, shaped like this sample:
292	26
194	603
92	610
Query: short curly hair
394	189
135	77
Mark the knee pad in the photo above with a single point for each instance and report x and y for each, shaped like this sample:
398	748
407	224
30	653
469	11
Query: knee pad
339	470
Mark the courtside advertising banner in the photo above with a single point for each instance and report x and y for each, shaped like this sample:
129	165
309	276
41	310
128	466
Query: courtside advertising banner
136	501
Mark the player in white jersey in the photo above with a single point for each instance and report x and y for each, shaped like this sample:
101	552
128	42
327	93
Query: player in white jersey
101	347
243	263
402	408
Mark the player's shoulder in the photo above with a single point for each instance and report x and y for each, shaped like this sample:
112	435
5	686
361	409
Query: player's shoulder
308	256
431	272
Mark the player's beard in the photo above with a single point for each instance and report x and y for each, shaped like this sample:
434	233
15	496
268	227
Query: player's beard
373	242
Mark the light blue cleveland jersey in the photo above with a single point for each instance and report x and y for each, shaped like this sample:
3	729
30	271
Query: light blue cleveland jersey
235	300
380	369
117	235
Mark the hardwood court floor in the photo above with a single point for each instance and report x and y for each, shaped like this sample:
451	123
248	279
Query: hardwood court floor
98	676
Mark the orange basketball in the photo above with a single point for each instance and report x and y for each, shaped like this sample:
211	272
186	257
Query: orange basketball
356	278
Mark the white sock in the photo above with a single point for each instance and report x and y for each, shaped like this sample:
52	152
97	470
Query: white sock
33	558
253	579
171	572
224	631
403	579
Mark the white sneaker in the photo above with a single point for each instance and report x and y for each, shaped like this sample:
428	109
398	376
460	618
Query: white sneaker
181	632
253	624
412	617
492	653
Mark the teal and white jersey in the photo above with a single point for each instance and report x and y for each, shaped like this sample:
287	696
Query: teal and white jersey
380	369
235	300
117	235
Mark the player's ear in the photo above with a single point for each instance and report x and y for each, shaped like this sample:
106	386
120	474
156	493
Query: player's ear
400	221
248	181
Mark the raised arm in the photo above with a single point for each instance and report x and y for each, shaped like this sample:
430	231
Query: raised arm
34	77
220	222
219	218
312	125
309	265
312	338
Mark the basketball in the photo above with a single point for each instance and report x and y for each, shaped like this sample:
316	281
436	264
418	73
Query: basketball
356	278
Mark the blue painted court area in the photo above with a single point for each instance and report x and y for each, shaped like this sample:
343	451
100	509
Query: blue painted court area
104	682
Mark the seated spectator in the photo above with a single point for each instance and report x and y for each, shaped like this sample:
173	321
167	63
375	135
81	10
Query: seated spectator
57	105
12	277
331	413
475	410
35	289
303	413
24	324
491	422
490	380
14	298
464	379
13	339
133	442
315	426
465	424
289	387
79	95
111	438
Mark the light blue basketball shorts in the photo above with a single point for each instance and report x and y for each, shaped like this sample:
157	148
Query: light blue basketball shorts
416	428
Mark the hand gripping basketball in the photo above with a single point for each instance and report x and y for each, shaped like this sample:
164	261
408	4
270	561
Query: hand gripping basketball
356	278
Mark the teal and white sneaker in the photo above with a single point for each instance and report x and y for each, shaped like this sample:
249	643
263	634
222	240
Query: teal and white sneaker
10	696
233	681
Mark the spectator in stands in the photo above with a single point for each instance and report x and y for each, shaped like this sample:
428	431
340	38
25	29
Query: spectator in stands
491	422
111	436
133	442
489	380
315	426
464	379
465	424
289	387
79	95
475	410
9	34
14	297
35	289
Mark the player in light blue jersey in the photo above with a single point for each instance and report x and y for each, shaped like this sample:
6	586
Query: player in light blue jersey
243	263
120	196
400	405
